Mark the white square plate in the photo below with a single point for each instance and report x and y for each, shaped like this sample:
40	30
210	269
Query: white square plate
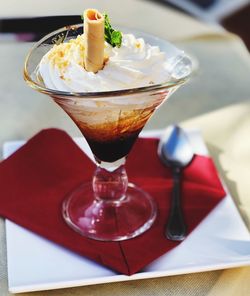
220	241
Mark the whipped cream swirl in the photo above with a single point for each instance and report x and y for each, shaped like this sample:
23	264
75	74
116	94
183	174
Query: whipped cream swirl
134	64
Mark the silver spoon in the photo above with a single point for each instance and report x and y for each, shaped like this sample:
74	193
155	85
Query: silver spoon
176	152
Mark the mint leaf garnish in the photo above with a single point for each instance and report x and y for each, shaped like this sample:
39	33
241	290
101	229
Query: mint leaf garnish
116	38
113	37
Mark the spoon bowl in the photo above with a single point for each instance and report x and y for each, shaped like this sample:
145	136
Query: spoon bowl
174	147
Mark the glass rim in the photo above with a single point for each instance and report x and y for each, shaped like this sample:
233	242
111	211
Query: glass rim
110	93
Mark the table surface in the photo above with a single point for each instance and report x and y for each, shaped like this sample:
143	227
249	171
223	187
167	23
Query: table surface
216	100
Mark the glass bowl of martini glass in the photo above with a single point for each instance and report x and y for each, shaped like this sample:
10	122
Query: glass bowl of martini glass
109	208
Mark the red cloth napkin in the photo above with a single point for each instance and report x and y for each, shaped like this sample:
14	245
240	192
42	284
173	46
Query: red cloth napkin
36	178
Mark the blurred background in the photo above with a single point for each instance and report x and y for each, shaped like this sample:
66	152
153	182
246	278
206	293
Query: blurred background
233	15
17	16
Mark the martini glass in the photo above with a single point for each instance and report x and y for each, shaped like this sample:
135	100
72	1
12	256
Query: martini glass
109	208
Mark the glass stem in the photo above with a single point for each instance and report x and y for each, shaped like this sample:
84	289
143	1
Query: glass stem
110	181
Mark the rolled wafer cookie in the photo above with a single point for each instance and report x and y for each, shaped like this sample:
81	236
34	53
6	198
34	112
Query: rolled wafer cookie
93	40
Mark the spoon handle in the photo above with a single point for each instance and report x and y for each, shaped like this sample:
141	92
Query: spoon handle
176	227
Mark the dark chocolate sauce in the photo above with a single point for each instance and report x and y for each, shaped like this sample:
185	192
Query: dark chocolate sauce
112	150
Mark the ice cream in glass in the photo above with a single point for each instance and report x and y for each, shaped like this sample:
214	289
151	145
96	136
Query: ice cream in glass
109	82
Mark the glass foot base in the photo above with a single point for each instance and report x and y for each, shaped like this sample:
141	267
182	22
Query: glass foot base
109	220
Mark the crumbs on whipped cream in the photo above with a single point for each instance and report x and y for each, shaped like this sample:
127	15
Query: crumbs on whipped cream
134	64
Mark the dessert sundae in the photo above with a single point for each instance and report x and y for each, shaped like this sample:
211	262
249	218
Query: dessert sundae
109	83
